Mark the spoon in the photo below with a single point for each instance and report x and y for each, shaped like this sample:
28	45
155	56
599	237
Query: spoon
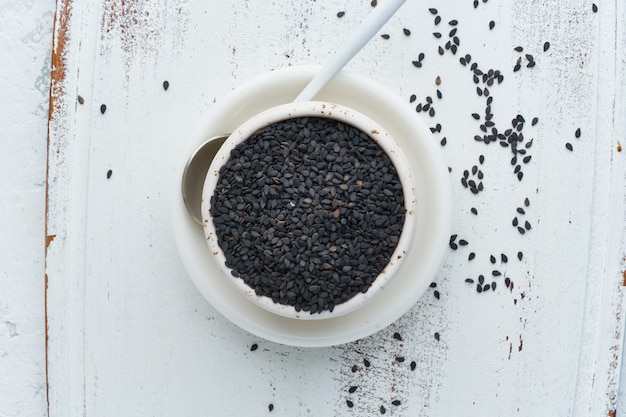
199	162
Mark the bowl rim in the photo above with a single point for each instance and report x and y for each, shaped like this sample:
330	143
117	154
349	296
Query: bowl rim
346	115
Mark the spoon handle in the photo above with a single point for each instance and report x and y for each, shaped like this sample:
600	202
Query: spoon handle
368	28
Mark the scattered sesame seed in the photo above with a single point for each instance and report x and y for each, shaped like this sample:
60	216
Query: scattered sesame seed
577	133
352	389
546	46
109	173
569	146
103	108
254	347
397	336
385	36
396	402
349	403
492	24
341	14
81	100
594	8
406	31
166	85
413	365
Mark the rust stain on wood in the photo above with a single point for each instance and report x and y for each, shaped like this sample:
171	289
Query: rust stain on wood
58	72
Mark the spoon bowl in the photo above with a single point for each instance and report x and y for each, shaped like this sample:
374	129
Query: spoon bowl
195	173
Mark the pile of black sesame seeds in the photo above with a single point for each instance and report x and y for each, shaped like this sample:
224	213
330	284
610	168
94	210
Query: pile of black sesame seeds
308	212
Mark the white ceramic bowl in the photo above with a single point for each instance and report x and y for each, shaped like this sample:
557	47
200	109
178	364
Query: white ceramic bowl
343	114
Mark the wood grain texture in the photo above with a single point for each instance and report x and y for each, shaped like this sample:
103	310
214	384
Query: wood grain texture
25	43
129	334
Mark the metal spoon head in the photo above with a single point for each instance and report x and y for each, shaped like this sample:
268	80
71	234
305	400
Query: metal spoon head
195	173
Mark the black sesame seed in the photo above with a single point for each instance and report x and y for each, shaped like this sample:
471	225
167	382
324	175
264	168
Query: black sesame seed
504	258
534	121
530	64
413	365
521	230
417	64
437	336
516	67
474	211
433	11
507	282
383	410
354	368
399	359
412	98
527	225
493	285
520	175
396	402
481	279
518	49
312	298
397	335
492	24
521	210
385	36
520	255
254	347
166	85
453	22
349	403
471	256
432	285
479	288
406	31
492	259
270	407
436	294
546	46
81	100
469	280
569	146
496	273
526	202
109	173
463	242
577	133
486	287
594	8
352	389
515	222
103	108
437	20
437	35
341	14
366	363
476	116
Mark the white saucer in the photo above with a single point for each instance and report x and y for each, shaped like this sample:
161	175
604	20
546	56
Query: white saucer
434	208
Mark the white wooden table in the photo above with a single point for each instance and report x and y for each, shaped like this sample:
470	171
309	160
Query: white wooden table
129	334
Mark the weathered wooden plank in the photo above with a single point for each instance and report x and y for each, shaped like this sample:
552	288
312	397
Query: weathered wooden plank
130	335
